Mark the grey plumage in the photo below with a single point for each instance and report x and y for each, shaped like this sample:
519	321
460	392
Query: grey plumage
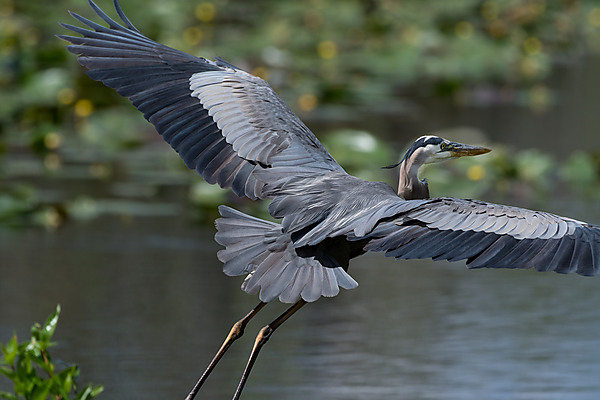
260	249
234	130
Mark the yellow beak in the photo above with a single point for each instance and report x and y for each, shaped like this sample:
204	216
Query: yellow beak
461	150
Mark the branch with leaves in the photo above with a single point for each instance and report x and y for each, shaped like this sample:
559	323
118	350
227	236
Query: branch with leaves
29	365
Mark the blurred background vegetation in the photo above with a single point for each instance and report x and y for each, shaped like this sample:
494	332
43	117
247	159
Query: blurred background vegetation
73	149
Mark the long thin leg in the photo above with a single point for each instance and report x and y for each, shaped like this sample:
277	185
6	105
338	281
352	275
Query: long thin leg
237	330
262	338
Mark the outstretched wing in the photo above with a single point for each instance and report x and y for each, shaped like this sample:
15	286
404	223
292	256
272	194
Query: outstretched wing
226	124
489	235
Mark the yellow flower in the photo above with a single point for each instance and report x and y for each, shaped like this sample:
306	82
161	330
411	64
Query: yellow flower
205	11
476	172
83	108
327	49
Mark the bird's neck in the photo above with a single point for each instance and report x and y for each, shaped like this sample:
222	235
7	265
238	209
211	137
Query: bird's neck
409	185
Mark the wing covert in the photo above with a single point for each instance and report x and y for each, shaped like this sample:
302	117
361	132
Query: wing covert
226	124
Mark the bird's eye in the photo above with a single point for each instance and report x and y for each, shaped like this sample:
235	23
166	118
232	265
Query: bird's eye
443	146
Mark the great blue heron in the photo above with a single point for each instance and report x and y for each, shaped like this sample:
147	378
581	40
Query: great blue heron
234	130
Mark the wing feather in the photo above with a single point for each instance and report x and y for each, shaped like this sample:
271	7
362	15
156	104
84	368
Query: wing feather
561	262
488	235
208	111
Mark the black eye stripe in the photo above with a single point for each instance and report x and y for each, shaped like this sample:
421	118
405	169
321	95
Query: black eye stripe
433	140
422	142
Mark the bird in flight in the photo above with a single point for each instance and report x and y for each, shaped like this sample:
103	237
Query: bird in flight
235	131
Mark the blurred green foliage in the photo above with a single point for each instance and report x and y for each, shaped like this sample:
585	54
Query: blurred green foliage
364	53
316	51
21	363
20	205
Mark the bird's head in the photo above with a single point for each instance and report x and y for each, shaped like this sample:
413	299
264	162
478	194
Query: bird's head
432	149
427	150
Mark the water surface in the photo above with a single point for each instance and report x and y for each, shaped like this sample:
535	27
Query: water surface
145	306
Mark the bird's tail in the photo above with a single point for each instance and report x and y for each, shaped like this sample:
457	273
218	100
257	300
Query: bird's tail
260	249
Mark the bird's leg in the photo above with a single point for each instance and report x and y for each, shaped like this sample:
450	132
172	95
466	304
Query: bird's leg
262	338
237	330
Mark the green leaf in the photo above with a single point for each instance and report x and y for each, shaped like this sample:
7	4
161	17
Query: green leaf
9	396
19	365
34	348
65	379
24	368
8	372
90	392
97	390
42	390
47	330
85	394
10	350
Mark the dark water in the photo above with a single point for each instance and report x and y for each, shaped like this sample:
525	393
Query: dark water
145	306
